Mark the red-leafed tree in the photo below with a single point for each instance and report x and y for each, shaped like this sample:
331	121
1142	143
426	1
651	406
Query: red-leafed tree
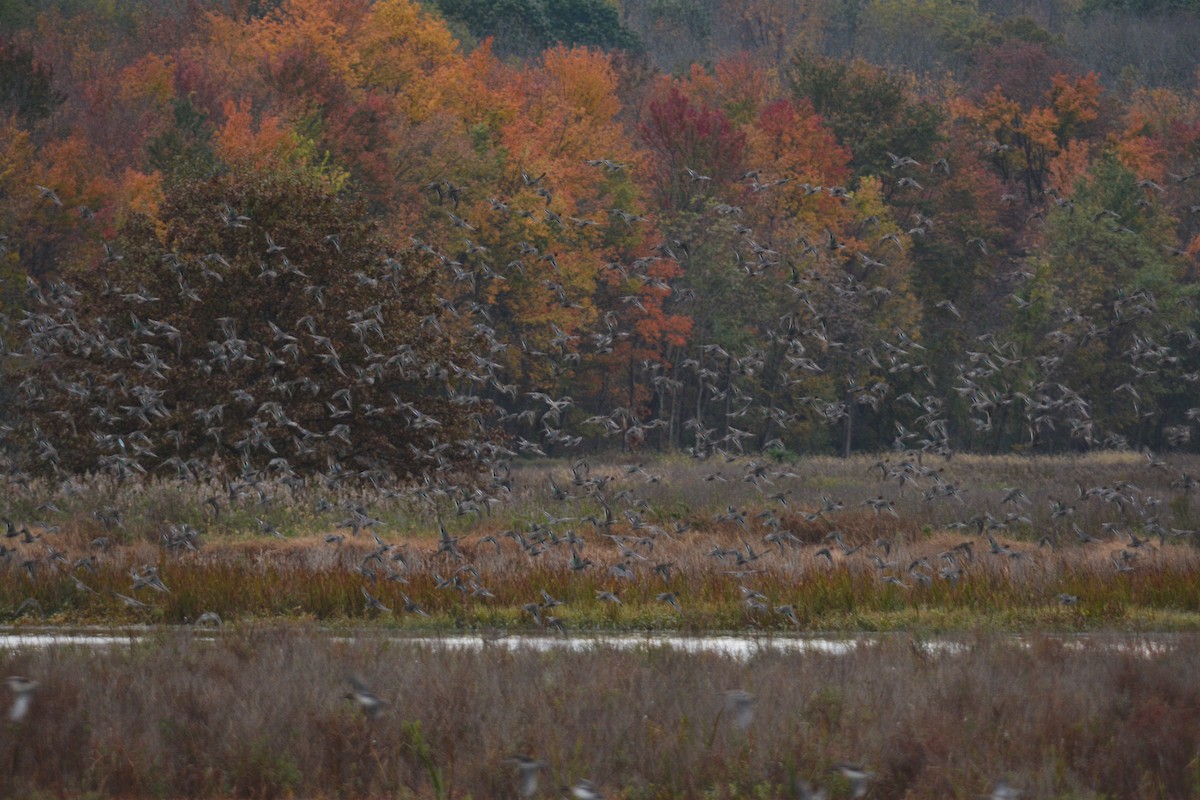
683	136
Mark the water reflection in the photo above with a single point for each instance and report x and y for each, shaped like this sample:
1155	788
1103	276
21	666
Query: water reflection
734	646
42	640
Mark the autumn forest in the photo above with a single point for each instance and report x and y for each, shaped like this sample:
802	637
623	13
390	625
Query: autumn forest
739	225
652	399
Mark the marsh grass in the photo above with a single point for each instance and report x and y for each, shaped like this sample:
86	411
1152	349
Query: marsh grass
239	571
260	712
312	579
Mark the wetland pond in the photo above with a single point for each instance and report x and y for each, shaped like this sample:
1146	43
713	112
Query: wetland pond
737	646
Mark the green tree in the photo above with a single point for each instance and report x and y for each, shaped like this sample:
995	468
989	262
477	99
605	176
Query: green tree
15	14
870	111
526	27
183	150
1116	305
26	85
923	35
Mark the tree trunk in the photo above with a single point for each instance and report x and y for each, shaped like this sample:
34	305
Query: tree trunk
849	432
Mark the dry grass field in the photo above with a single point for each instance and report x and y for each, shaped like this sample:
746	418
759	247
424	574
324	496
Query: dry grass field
264	712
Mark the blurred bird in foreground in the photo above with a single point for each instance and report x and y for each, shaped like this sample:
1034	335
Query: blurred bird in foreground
586	790
1003	791
23	688
857	775
740	704
370	704
529	769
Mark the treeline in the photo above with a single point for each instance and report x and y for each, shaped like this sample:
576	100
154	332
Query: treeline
782	249
1146	42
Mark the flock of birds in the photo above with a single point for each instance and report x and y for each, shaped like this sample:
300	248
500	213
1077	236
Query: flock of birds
118	389
629	542
602	522
302	395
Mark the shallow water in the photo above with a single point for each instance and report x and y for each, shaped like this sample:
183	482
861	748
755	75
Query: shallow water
736	646
732	645
37	640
